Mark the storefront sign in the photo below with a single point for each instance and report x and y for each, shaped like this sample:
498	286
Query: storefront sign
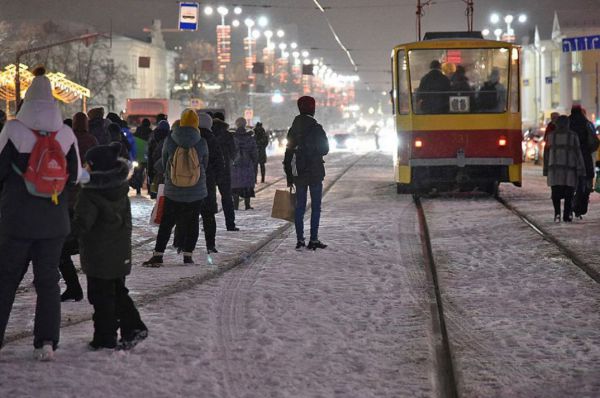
584	43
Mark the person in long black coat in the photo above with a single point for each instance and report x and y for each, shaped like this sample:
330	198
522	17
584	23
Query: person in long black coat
262	142
227	145
432	94
589	144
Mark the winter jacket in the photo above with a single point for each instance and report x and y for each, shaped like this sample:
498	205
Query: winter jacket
85	142
102	222
432	92
25	216
587	141
214	171
99	129
143	131
131	140
186	137
155	150
225	139
308	136
262	142
243	168
563	161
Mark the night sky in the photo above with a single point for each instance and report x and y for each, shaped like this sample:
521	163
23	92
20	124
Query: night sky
369	28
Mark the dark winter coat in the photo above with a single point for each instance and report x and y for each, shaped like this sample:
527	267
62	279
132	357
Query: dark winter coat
144	131
225	139
102	222
308	136
432	92
243	169
262	142
563	162
214	171
25	216
99	129
155	150
85	142
186	137
587	141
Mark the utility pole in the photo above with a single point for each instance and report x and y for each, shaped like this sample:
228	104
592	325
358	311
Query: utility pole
469	13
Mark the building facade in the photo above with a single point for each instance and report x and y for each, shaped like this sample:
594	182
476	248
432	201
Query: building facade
151	65
554	80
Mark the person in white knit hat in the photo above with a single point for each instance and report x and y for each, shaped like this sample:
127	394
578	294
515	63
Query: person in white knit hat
34	227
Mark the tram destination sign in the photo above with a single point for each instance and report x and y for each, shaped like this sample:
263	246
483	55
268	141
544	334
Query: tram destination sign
583	43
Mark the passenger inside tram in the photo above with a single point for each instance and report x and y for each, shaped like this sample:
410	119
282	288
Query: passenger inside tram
432	94
459	80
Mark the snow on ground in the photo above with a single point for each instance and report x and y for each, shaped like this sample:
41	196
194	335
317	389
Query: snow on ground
533	199
350	321
522	319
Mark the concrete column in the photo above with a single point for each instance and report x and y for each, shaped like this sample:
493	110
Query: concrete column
566	82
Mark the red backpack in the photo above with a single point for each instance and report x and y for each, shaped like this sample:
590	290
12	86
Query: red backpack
46	174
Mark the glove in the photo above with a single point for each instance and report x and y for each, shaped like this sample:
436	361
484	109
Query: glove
290	184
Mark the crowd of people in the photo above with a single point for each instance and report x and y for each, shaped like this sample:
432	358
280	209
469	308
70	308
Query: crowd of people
571	142
65	191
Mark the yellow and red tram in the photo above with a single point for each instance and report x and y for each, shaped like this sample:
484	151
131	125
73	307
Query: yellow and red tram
457	111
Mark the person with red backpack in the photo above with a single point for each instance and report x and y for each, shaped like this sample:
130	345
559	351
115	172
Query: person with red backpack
38	158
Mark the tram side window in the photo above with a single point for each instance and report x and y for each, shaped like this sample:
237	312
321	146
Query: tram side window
403	91
459	80
515	99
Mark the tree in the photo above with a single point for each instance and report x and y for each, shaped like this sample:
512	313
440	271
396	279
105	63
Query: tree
86	64
197	60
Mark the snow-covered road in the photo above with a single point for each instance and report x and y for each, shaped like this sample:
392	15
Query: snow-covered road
353	320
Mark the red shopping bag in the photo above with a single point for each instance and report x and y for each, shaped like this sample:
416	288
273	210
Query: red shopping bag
159	207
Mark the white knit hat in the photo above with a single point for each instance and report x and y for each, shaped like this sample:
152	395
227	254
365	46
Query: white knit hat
40	88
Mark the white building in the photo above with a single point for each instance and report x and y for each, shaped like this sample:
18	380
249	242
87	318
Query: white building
553	80
151	65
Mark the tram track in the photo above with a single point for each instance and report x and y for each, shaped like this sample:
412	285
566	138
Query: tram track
187	283
446	377
570	254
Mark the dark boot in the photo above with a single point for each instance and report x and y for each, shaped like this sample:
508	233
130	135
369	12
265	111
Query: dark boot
69	274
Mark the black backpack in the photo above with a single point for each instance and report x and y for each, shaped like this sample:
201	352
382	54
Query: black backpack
301	158
488	96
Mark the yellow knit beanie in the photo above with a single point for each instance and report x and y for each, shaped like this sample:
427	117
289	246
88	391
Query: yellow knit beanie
189	118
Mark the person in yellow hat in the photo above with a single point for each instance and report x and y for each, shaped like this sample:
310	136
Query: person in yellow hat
185	187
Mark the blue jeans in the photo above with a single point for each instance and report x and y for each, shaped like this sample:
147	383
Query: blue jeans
316	193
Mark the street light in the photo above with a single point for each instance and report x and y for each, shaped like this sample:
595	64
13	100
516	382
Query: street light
485	32
280	33
522	18
495	18
235	23
208	10
305	54
256	34
268	34
223	11
263	21
294	45
498	34
237	10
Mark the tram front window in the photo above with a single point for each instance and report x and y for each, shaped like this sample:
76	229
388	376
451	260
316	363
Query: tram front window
459	80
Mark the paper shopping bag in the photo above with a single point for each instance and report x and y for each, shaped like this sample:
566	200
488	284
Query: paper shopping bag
159	207
284	205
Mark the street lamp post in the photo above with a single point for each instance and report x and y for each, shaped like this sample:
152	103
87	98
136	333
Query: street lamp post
509	34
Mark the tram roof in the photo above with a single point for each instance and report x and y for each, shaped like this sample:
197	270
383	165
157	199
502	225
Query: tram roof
455	42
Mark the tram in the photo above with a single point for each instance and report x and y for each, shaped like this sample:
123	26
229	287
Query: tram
456	101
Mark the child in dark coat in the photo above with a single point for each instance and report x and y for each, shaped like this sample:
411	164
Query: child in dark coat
102	222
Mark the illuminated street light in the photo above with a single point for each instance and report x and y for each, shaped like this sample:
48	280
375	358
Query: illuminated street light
485	32
256	34
296	54
498	33
282	46
223	11
263	21
305	54
294	45
235	23
237	10
280	33
208	10
249	23
495	18
316	61
268	34
522	18
509	19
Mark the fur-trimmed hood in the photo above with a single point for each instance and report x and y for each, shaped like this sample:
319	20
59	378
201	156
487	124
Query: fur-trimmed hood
112	178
